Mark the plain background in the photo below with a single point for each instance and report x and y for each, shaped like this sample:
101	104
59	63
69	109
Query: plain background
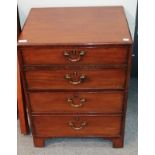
8	84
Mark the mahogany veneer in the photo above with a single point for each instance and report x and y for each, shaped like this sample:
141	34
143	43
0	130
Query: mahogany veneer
96	79
104	55
79	102
59	126
75	68
22	113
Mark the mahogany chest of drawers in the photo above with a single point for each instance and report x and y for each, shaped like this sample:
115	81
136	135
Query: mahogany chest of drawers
75	67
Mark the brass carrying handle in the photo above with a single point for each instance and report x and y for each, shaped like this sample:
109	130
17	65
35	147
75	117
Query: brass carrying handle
71	102
74	79
73	126
74	56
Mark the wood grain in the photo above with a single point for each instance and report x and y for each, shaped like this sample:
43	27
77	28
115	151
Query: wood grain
96	56
77	25
102	79
23	120
57	126
103	33
95	102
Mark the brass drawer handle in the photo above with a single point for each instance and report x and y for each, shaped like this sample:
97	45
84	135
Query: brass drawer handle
73	126
73	104
74	78
73	55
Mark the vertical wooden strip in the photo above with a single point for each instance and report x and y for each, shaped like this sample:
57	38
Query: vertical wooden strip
23	120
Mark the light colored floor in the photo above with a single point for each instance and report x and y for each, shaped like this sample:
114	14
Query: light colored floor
88	146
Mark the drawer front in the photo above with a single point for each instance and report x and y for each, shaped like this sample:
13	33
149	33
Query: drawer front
76	102
47	56
60	126
76	79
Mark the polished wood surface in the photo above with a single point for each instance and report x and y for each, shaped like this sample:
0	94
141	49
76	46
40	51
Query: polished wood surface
118	142
23	120
76	79
38	142
95	79
51	126
83	25
53	56
76	102
22	113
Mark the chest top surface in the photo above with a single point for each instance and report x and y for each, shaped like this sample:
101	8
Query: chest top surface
75	26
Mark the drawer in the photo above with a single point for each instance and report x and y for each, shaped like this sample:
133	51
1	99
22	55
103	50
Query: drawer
79	125
76	102
47	56
76	79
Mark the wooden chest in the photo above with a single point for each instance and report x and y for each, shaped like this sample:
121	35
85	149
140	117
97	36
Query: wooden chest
75	68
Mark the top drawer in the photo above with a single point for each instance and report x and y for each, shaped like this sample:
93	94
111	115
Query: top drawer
50	56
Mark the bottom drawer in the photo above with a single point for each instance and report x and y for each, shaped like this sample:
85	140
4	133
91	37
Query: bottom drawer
79	125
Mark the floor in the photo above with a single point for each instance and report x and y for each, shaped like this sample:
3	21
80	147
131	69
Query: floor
88	146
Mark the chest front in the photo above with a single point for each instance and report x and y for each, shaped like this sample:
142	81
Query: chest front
75	68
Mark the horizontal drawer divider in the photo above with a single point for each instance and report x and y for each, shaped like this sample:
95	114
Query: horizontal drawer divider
63	66
78	90
79	114
74	90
